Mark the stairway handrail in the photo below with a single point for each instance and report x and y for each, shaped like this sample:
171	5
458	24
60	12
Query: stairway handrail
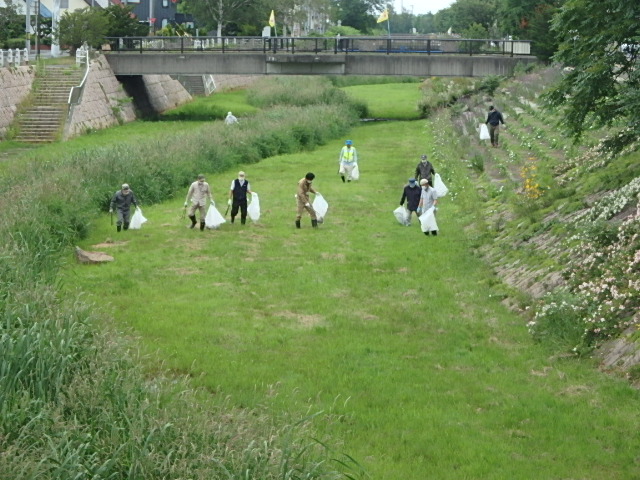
75	95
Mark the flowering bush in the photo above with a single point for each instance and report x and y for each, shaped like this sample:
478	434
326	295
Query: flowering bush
603	274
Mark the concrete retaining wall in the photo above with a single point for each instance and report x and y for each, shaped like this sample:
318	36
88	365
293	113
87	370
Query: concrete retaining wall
15	85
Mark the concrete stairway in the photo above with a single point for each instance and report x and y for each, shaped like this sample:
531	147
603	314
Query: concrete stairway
42	121
193	84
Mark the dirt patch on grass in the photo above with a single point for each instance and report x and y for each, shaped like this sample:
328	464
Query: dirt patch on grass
333	256
303	320
109	243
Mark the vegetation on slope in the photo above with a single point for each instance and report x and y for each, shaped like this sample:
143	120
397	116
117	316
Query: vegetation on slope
74	404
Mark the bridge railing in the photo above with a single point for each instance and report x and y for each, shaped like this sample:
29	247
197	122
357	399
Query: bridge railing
319	45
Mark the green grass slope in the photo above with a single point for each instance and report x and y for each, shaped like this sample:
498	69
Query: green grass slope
398	340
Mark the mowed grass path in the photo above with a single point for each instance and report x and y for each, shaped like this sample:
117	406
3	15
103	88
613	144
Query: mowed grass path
419	372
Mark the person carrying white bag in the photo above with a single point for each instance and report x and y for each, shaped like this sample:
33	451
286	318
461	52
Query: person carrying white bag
238	197
302	199
427	208
348	161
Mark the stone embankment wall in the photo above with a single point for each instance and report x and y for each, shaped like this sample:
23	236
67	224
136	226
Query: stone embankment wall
104	102
164	92
15	85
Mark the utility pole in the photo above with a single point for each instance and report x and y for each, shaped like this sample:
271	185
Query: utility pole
37	29
27	25
55	17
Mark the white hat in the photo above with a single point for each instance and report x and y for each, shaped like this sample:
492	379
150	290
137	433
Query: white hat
125	186
228	113
424	181
241	173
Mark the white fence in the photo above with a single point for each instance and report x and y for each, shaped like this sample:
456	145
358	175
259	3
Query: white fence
14	58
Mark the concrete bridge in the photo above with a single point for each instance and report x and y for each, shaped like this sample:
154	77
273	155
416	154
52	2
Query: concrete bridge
411	56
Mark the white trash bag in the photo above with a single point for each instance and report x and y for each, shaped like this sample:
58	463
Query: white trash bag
484	132
439	186
402	215
428	221
321	206
137	220
253	210
355	173
213	219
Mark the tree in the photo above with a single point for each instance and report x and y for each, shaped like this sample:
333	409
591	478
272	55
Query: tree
359	14
216	13
475	31
122	22
603	86
79	26
11	22
464	13
531	20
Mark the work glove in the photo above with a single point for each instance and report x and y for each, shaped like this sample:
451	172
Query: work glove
307	205
111	210
186	204
229	202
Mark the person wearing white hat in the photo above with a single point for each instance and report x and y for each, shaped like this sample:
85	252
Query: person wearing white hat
238	197
231	119
122	201
428	199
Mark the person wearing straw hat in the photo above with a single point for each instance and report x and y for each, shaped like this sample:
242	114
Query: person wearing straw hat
122	201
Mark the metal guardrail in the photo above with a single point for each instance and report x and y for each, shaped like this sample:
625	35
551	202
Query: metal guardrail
82	56
320	45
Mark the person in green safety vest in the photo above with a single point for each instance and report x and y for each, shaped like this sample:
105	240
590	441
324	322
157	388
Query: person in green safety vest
348	160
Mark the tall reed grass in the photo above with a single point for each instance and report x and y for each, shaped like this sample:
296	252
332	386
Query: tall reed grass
72	403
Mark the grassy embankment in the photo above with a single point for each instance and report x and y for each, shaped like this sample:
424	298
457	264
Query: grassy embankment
400	341
75	403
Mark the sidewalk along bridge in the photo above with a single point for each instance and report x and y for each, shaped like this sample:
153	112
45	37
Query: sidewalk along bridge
412	56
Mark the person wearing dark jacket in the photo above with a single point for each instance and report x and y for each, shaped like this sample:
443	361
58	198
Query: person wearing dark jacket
494	119
411	194
425	170
122	201
238	197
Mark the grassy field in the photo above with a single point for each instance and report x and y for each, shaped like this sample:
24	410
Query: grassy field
397	101
398	339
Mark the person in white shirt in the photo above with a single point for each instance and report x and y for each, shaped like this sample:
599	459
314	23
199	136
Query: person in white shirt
238	197
231	119
428	199
198	193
